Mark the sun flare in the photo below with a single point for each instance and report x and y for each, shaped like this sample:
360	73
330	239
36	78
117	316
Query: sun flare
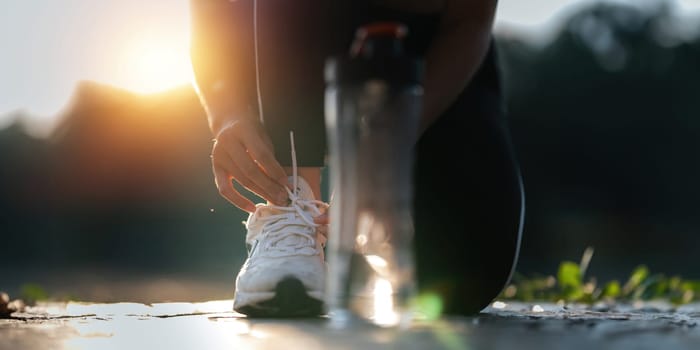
154	66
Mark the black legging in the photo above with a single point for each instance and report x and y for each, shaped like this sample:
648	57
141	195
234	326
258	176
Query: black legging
469	203
468	195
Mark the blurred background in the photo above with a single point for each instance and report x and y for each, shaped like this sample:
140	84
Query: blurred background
105	186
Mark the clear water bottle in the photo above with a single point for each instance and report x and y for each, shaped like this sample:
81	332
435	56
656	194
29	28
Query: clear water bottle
373	105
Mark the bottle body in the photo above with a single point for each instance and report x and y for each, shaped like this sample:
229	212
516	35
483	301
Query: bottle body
371	128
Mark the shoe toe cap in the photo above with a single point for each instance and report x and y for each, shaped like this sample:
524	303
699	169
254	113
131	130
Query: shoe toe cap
264	275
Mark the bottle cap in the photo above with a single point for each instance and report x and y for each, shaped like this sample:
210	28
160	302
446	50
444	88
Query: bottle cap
376	53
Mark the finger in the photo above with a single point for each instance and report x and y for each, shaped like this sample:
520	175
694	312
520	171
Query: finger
225	186
330	201
322	230
242	179
222	159
322	219
267	140
250	171
262	153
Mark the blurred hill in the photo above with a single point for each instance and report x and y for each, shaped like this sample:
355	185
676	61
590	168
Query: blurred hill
605	121
124	182
115	146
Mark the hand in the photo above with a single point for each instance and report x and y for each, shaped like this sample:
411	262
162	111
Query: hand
322	219
243	152
322	222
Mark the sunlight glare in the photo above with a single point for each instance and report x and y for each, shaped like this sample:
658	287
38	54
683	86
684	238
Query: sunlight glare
384	313
154	65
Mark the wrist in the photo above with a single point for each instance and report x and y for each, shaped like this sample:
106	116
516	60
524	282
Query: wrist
222	120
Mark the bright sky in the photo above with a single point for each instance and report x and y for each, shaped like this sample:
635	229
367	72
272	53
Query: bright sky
141	45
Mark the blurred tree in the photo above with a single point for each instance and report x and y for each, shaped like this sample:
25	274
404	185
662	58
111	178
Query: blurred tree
605	120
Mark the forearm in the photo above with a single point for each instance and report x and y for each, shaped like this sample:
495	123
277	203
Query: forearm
222	59
455	55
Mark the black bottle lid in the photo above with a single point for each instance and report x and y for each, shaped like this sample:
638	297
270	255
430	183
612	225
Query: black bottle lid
376	53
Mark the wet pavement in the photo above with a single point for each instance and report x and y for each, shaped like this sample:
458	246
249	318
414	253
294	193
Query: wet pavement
212	326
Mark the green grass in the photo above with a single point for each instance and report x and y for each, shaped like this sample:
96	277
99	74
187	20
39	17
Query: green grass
570	284
30	293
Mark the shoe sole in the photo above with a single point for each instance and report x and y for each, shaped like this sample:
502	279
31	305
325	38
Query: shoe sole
291	299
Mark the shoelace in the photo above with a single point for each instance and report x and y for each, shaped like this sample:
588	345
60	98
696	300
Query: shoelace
284	222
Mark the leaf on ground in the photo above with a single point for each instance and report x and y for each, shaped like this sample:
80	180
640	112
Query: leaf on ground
612	289
636	278
569	275
570	280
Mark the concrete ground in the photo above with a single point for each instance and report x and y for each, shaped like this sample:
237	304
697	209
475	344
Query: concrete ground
212	326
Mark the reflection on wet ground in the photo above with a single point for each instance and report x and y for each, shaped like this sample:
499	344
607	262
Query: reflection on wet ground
211	325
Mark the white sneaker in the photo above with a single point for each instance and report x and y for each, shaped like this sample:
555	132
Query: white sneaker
285	271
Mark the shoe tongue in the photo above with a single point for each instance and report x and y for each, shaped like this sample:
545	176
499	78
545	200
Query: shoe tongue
303	189
304	192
